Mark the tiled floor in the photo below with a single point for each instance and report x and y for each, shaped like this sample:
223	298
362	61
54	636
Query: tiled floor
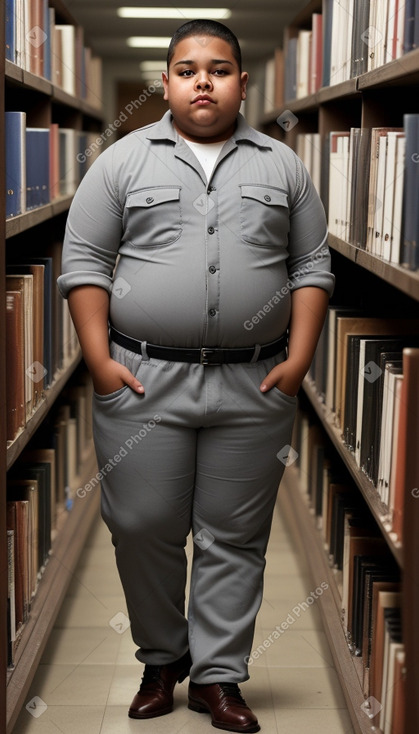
89	675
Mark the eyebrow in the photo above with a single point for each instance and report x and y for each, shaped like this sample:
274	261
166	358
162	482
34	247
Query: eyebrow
190	62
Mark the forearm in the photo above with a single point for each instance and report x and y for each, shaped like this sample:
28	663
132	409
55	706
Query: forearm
89	308
308	311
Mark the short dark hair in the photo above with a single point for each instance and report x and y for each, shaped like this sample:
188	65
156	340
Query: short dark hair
203	27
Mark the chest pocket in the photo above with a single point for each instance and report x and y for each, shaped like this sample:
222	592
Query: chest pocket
152	216
264	215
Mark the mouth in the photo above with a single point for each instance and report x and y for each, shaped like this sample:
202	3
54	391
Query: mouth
202	100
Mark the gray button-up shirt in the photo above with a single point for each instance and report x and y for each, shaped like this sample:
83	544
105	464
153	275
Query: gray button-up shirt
192	263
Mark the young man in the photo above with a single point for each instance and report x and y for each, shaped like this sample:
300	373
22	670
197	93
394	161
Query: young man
222	250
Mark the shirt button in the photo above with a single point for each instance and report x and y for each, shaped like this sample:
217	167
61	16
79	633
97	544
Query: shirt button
149	200
212	312
212	269
267	197
211	230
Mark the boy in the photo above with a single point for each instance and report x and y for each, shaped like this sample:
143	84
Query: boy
221	249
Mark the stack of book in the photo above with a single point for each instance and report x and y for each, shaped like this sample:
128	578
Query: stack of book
35	42
366	575
40	487
40	336
43	163
359	373
373	177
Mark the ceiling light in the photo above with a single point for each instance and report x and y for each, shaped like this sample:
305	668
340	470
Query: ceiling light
152	66
149	41
179	13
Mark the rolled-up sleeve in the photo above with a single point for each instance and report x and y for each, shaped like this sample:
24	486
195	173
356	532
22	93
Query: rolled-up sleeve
93	230
309	259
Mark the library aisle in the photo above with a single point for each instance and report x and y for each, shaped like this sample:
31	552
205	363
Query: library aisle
88	674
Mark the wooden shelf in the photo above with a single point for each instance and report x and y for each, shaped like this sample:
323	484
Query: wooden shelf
27	80
22	222
60	379
403	279
58	573
295	509
369	492
400	71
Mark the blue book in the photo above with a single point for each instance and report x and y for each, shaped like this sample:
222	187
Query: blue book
10	31
409	26
409	256
15	126
37	167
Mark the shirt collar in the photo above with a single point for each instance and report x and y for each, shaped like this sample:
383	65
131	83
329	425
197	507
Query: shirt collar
164	130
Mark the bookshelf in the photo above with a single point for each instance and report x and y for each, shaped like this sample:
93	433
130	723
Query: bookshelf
379	97
35	233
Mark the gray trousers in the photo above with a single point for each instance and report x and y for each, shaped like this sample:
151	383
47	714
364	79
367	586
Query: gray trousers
203	450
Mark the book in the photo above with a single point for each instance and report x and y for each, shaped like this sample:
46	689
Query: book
15	374
37	167
15	134
409	257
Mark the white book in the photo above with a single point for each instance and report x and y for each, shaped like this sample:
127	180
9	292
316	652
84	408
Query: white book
303	57
68	41
20	33
379	199
388	204
397	402
398	200
390	650
351	164
269	102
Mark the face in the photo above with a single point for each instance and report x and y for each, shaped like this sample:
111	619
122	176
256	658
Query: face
204	89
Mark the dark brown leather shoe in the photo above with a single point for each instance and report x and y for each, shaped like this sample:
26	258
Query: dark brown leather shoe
155	697
226	705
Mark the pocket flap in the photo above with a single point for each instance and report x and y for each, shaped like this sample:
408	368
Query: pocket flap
151	197
265	194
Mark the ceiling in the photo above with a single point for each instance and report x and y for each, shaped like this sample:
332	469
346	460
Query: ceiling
258	24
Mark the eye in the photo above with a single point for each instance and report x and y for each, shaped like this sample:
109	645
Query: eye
220	72
186	72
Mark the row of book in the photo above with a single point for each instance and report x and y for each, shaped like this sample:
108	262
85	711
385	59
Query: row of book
361	373
36	43
368	178
40	489
40	336
349	38
366	575
362	35
43	163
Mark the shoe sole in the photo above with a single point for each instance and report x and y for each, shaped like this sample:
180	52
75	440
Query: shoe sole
200	709
162	712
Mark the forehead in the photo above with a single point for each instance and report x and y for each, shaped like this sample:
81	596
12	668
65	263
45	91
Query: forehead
203	48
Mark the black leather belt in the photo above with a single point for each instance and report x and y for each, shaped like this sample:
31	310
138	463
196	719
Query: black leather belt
205	355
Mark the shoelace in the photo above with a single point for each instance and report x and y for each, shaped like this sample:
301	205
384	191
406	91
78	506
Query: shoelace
150	675
232	689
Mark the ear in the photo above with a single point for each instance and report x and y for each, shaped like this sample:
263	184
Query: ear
244	78
165	80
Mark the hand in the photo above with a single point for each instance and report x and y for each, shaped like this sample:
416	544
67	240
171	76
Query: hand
285	376
111	376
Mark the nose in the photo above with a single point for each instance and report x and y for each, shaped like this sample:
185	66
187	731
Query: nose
203	81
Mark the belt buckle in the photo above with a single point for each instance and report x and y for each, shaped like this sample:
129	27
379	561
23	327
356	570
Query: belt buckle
205	358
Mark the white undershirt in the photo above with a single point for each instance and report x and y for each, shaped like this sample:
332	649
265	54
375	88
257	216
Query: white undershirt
207	154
